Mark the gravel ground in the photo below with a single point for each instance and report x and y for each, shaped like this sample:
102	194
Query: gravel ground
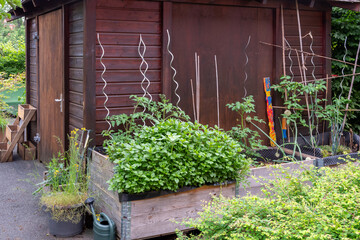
21	216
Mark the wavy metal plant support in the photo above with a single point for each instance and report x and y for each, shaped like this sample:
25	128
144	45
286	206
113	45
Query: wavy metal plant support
246	63
142	51
174	70
291	61
105	83
343	69
313	115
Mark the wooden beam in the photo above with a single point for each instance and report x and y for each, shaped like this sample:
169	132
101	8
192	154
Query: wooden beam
89	56
166	71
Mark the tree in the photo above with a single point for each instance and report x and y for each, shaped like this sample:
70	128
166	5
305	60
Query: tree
346	25
6	5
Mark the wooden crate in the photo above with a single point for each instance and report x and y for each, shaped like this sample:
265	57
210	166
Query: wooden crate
11	131
24	109
3	148
151	217
27	151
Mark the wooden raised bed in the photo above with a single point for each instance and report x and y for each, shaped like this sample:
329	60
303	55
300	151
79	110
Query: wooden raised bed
147	218
24	109
11	131
27	150
3	149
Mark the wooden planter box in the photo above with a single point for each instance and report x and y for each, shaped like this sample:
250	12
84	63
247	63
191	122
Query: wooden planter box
27	151
24	109
3	148
11	131
147	218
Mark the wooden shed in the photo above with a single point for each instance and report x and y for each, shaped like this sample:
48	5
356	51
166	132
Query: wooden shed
63	79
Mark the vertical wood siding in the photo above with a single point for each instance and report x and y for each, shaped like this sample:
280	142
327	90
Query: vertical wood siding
32	70
75	53
119	24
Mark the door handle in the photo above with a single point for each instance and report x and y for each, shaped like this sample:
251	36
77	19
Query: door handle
61	101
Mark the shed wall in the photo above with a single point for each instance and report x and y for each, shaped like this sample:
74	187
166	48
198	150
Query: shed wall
76	67
119	24
32	71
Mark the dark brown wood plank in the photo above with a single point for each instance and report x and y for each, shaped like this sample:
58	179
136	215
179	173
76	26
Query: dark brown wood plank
118	51
76	110
75	122
127	26
77	26
76	62
128	4
76	12
76	98
126	88
127	76
76	38
129	39
76	86
76	50
119	101
125	63
76	74
102	112
127	15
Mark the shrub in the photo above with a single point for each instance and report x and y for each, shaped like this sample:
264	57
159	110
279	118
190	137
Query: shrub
12	60
309	206
173	154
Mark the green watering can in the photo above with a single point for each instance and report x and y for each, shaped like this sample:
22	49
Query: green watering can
104	228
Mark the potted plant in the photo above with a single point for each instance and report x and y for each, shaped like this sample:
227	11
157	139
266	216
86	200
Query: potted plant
64	188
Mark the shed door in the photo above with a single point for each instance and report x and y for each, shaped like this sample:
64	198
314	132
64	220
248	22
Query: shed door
51	84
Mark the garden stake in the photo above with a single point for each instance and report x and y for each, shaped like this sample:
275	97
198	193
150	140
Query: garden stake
217	92
270	112
284	127
174	70
193	98
303	68
351	86
105	83
197	81
246	63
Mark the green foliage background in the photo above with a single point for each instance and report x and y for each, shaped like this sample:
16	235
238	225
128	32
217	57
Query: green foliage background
346	23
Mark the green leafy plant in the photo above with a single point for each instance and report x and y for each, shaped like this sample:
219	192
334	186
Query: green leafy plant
249	139
292	90
66	183
170	152
173	154
334	116
327	208
145	111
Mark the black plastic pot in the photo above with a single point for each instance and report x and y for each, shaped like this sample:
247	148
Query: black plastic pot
66	228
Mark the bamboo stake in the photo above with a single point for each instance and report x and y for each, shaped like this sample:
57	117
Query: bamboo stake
197	62
284	62
304	71
326	97
193	98
217	92
351	86
307	53
304	109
